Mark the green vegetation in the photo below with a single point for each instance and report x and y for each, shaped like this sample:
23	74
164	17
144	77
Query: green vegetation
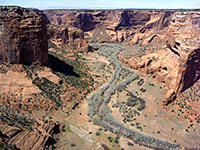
130	144
2	69
82	81
13	119
135	101
52	45
49	89
185	99
5	146
80	68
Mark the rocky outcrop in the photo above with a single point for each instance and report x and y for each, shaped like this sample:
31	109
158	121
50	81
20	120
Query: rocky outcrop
31	140
188	74
180	24
82	20
68	35
189	70
176	69
162	65
23	36
162	22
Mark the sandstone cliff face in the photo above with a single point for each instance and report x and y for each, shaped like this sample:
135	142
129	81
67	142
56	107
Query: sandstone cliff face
189	70
81	20
168	26
188	74
122	25
162	65
103	25
68	35
89	20
160	21
24	36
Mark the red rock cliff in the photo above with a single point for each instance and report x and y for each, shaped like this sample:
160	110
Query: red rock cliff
68	35
188	74
24	36
88	20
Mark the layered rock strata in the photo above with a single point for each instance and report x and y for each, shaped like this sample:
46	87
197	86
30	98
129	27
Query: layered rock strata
68	35
23	36
31	139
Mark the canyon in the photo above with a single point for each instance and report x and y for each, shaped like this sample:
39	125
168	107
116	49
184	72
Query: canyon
170	28
99	79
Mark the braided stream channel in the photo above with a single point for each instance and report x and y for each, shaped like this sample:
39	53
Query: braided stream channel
100	112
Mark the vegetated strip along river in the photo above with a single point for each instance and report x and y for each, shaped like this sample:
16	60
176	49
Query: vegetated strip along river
99	110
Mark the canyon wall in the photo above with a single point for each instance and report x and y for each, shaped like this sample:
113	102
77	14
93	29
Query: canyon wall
188	73
101	25
71	36
88	20
23	36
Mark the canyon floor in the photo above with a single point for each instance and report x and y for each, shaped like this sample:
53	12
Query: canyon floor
154	121
166	127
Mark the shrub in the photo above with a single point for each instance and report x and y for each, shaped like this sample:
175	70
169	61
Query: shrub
52	45
130	144
140	82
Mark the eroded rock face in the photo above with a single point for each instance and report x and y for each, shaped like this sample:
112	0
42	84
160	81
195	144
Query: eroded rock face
31	140
188	74
169	26
88	20
23	36
161	21
68	35
189	70
81	20
101	25
126	25
162	65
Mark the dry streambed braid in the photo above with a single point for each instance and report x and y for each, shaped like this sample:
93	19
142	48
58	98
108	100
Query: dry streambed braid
100	112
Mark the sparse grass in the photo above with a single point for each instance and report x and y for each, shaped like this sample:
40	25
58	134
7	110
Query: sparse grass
67	129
